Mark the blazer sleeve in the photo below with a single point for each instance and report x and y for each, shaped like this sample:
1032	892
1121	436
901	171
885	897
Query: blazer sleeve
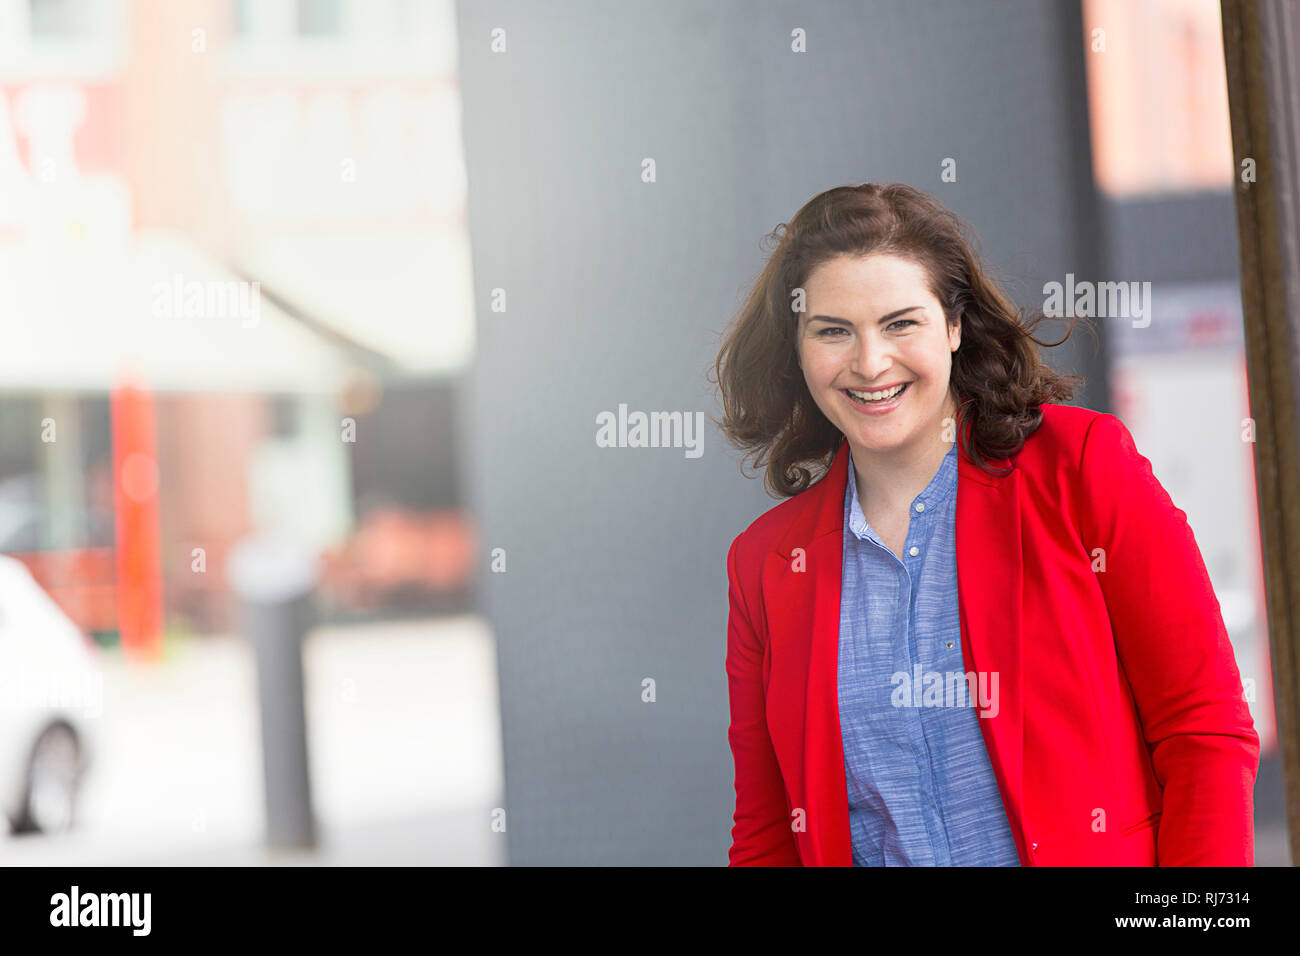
761	834
1172	643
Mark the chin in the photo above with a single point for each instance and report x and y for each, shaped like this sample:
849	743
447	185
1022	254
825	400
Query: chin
876	438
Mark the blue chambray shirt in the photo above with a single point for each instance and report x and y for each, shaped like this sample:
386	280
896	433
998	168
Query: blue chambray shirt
920	785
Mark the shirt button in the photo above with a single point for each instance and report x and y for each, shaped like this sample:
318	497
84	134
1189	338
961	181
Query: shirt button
950	643
920	506
915	551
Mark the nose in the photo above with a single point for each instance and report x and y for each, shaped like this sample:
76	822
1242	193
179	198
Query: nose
872	359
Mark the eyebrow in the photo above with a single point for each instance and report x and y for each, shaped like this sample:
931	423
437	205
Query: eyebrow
883	319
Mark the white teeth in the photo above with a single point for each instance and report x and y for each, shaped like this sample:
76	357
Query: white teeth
877	396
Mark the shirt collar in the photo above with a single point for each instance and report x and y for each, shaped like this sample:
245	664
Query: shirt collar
936	493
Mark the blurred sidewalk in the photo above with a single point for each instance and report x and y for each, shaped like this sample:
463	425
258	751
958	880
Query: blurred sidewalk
405	755
404	735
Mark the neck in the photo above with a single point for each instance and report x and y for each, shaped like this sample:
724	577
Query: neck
891	480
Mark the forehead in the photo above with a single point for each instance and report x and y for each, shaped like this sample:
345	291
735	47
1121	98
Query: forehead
862	289
868	278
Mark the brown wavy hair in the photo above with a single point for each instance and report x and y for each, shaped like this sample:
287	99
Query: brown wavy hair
998	379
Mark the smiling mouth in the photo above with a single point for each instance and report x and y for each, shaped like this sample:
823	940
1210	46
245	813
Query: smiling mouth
884	401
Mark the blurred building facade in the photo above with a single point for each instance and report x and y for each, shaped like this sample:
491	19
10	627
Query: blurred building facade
1162	151
301	146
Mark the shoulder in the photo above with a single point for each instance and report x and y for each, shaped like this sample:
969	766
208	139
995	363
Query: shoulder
765	532
1066	432
1085	463
1063	428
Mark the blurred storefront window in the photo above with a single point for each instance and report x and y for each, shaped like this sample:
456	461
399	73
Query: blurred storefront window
1158	96
1163	164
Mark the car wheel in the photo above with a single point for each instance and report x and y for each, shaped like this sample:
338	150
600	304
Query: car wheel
53	774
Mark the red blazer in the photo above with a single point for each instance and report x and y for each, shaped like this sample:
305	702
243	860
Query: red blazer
1121	736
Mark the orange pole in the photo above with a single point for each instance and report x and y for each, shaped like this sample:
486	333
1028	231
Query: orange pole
135	494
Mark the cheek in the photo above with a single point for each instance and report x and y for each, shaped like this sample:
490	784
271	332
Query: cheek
818	368
930	365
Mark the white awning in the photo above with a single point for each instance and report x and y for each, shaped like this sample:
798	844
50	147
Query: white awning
79	317
406	294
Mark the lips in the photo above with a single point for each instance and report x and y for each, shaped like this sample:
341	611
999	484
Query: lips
901	386
870	408
878	388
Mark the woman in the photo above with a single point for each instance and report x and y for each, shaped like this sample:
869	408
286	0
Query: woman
986	635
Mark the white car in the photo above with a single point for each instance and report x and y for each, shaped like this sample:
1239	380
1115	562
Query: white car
51	705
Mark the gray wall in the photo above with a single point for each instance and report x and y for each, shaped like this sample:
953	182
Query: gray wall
1190	237
617	291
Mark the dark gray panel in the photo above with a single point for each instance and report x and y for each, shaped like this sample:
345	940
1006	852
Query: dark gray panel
1183	238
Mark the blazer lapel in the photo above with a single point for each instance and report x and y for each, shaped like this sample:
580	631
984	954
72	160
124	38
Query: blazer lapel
802	577
990	583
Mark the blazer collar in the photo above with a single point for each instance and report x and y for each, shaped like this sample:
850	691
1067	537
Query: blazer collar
822	513
801	578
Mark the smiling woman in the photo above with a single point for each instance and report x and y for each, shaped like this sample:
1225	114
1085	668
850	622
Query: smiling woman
1112	727
883	382
849	265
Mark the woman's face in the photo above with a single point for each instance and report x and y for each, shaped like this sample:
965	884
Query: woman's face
871	323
